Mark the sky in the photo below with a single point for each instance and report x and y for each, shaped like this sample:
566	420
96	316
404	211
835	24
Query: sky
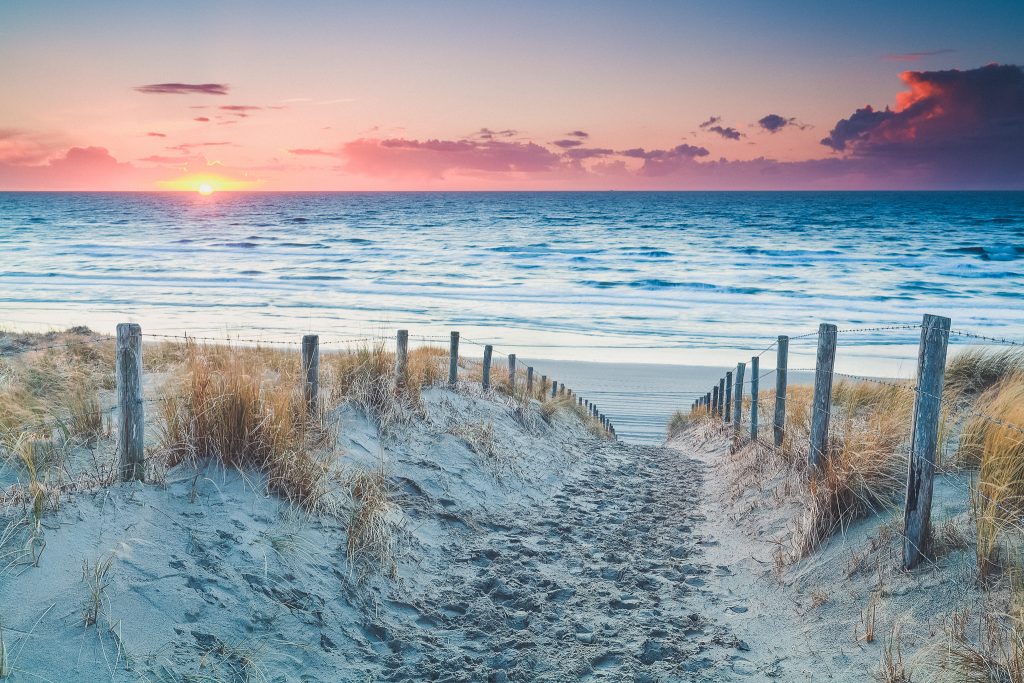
511	96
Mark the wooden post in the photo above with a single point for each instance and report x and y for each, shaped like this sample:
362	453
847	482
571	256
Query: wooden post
737	410
488	350
721	397
931	373
714	398
311	370
554	388
781	377
512	374
529	380
543	386
755	365
707	399
453	360
561	389
728	398
822	403
131	422
401	358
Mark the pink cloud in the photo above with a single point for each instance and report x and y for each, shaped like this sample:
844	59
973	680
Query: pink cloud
183	89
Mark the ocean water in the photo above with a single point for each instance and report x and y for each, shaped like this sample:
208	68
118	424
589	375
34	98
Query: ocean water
655	278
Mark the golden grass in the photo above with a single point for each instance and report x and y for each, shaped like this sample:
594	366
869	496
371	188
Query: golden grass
998	449
49	384
974	370
865	471
228	405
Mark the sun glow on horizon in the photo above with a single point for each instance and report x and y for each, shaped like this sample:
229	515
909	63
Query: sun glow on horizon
207	184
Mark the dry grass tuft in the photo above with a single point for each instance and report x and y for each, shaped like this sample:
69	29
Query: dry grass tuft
371	537
681	422
866	468
366	377
232	407
974	370
892	669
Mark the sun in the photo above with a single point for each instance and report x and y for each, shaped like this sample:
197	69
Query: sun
205	189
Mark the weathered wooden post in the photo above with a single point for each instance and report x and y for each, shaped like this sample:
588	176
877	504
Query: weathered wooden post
401	358
488	351
453	360
737	410
512	374
931	373
554	388
781	377
561	389
311	370
714	399
707	399
131	422
755	381
822	403
529	380
721	397
543	386
728	398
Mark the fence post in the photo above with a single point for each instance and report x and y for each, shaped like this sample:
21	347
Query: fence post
561	389
728	398
755	382
781	370
931	372
721	396
453	360
554	388
714	397
131	421
401	358
737	410
822	404
512	373
529	381
311	370
488	350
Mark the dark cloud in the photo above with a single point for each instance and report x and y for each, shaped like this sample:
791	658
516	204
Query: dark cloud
951	125
577	134
202	119
156	135
773	123
184	89
567	144
916	56
712	125
727	132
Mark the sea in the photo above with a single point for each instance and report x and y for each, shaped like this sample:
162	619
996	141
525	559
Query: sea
639	300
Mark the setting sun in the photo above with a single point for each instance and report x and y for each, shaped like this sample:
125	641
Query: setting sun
205	189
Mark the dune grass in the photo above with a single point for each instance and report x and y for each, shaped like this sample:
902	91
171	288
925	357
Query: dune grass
974	370
243	408
371	539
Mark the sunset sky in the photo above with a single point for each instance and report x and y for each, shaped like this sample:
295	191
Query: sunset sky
526	95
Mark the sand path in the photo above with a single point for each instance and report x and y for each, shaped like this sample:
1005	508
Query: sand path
604	581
